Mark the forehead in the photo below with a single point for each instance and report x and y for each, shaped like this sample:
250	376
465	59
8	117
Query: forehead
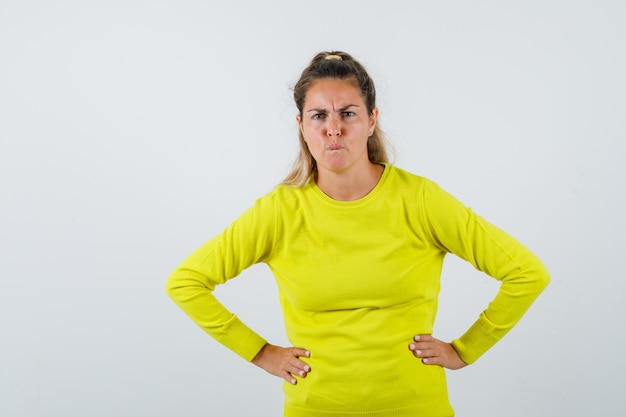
333	91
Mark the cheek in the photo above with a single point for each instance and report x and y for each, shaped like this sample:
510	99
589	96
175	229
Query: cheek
313	145
316	148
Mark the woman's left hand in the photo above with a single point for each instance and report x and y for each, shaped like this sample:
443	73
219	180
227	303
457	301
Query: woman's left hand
436	352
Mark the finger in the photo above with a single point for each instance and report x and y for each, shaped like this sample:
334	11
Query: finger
424	338
296	366
296	371
433	360
424	345
426	353
299	366
298	353
289	378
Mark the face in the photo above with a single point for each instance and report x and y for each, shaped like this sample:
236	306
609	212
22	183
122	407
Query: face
335	124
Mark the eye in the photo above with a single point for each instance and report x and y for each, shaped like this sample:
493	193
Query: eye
318	116
348	114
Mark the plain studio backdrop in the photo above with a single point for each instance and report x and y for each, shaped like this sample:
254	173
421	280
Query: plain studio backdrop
133	131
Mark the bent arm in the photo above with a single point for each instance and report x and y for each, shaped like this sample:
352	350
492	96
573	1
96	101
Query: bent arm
247	241
523	276
192	291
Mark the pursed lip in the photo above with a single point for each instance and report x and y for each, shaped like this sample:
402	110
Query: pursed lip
333	147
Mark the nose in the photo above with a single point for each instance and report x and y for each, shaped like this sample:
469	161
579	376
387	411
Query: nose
334	127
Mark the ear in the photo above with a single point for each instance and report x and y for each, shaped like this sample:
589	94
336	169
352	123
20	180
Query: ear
373	120
299	121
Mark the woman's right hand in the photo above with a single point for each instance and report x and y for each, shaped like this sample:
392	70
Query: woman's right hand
283	362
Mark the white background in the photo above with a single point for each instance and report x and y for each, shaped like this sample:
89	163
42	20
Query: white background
132	131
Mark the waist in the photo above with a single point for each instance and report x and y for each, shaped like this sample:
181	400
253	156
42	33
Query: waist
365	366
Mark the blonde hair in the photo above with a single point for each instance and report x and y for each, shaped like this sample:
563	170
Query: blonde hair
338	65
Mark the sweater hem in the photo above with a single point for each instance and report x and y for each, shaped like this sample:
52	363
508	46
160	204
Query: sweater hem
291	411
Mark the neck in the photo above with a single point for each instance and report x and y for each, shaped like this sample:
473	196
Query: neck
351	185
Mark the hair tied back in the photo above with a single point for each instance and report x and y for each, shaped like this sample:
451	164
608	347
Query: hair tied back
333	57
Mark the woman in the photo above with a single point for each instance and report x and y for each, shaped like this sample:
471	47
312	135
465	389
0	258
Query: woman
356	246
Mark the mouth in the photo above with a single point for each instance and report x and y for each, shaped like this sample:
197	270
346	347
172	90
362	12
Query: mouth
333	147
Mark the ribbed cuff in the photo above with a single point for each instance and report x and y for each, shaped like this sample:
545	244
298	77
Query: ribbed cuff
241	339
478	339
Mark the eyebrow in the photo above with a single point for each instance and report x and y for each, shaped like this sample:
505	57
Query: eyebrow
344	108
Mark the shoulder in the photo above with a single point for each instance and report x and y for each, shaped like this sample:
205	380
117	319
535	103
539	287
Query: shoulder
288	196
427	195
404	180
288	192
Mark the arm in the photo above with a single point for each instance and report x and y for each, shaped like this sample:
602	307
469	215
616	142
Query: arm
458	230
246	241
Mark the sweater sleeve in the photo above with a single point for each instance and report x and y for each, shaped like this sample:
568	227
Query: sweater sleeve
458	230
248	240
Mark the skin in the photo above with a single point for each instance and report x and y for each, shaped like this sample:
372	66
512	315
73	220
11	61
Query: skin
336	124
436	352
283	362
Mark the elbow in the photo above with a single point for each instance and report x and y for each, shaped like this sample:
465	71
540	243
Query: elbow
172	285
543	277
184	284
546	278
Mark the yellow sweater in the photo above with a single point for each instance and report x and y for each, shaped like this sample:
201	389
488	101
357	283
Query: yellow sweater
357	280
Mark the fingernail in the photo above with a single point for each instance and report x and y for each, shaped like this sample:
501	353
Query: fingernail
301	373
307	368
425	360
412	346
416	338
418	352
293	381
308	354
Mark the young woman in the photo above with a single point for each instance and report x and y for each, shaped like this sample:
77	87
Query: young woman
356	246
